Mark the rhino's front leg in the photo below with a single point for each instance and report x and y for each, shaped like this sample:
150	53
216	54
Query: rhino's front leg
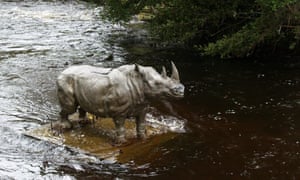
119	122
140	124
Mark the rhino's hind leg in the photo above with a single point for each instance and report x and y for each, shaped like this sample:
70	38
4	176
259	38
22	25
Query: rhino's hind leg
68	106
82	114
65	123
67	109
59	127
83	119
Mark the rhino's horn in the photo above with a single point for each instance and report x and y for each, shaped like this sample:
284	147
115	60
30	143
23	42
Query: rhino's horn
164	72
175	74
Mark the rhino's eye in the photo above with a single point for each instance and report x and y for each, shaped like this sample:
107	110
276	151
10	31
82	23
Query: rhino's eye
157	83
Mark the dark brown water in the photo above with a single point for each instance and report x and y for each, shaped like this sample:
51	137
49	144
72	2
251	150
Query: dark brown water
242	117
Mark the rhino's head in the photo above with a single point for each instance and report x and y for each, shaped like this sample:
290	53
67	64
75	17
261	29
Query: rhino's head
160	85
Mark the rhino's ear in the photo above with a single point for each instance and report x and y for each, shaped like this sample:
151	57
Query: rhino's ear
164	72
138	70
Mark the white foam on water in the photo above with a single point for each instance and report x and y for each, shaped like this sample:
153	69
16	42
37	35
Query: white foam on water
169	123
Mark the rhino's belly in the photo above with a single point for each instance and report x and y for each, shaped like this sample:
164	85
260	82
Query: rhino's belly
109	108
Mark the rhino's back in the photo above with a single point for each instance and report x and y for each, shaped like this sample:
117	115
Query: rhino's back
85	70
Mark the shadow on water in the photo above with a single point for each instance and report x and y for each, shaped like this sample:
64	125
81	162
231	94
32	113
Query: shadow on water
242	116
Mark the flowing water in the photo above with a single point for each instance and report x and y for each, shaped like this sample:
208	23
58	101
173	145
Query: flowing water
242	119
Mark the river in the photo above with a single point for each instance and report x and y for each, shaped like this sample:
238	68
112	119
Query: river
241	117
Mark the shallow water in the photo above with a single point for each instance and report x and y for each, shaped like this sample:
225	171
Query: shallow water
242	118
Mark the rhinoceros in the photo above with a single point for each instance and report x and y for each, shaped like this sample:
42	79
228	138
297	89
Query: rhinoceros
118	93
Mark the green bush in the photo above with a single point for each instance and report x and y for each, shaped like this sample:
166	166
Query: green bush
225	28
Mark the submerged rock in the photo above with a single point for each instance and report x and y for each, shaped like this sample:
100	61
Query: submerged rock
96	138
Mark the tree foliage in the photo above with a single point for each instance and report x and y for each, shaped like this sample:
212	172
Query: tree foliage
226	28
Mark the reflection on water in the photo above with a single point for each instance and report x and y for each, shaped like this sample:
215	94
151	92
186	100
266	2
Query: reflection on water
242	118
